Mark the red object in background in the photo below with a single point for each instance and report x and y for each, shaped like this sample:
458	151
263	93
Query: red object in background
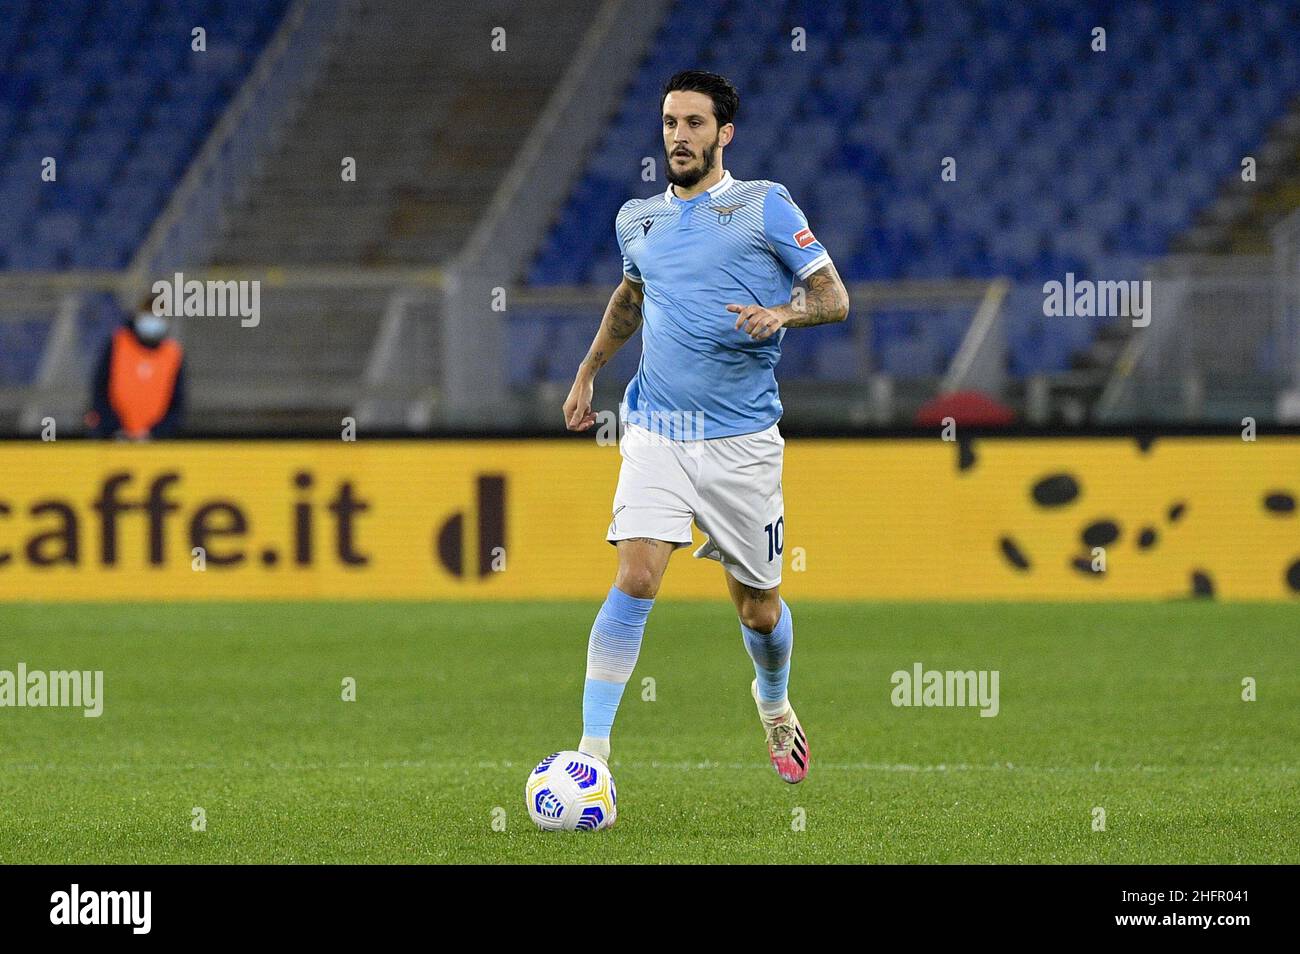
968	408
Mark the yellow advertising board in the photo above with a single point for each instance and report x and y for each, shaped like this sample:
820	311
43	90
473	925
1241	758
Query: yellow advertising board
1003	518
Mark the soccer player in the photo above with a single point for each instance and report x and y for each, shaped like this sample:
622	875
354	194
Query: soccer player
710	267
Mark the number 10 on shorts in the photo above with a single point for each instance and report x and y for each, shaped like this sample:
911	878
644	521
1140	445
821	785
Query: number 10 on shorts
775	538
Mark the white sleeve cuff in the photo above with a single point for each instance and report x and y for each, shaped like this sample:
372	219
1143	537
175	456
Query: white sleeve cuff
632	278
821	260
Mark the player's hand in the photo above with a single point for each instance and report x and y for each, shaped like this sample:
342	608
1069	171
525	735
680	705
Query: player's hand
756	321
578	415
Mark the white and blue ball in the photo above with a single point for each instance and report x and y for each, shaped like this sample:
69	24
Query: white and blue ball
570	791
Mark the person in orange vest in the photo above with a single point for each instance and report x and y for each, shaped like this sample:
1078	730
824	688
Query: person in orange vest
139	389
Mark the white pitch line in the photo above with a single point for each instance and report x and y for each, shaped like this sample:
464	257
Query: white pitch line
445	765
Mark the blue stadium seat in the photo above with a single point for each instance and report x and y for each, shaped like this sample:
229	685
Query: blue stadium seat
114	93
1065	159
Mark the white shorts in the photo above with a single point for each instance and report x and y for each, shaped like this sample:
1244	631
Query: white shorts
730	486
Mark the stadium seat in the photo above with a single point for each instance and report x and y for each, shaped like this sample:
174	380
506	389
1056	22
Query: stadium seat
116	96
1064	160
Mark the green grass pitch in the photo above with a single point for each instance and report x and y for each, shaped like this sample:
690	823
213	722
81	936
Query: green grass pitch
236	708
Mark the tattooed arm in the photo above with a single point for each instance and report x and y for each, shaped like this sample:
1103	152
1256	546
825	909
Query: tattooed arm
622	319
823	301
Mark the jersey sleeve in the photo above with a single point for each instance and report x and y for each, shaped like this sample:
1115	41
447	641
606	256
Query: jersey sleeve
629	267
786	229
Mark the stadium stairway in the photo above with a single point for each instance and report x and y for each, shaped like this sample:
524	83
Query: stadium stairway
433	118
431	121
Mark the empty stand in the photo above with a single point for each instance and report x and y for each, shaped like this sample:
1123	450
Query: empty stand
1067	160
116	96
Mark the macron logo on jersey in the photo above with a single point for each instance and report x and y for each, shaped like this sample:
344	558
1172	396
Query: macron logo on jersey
803	238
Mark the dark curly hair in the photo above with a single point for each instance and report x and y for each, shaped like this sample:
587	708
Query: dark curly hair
726	101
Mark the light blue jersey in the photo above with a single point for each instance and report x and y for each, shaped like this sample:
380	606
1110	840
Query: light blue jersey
739	242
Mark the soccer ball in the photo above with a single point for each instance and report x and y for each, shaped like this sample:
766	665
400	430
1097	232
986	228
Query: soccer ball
569	791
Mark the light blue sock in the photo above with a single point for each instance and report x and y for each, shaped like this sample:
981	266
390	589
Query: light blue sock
612	650
771	655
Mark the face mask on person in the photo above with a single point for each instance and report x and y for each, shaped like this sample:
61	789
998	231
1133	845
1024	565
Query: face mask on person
150	328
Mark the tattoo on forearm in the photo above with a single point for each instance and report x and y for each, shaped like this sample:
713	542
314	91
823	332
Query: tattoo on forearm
823	301
623	315
622	319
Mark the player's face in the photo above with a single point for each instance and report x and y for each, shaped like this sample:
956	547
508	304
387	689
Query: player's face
691	137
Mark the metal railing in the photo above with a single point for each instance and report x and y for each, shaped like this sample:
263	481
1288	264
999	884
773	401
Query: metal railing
1217	348
1286	277
373	343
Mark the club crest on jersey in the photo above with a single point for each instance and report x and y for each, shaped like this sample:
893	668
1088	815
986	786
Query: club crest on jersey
803	238
645	226
724	212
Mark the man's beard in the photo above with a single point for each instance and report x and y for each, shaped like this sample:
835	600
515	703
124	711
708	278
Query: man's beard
693	174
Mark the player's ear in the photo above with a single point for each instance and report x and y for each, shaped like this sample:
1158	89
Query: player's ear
727	133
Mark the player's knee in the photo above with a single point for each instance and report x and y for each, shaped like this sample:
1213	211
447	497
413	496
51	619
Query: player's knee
639	581
761	617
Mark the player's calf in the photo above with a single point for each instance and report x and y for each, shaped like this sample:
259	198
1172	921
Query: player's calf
612	650
768	631
615	640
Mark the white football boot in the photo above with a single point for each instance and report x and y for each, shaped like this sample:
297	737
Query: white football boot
786	743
